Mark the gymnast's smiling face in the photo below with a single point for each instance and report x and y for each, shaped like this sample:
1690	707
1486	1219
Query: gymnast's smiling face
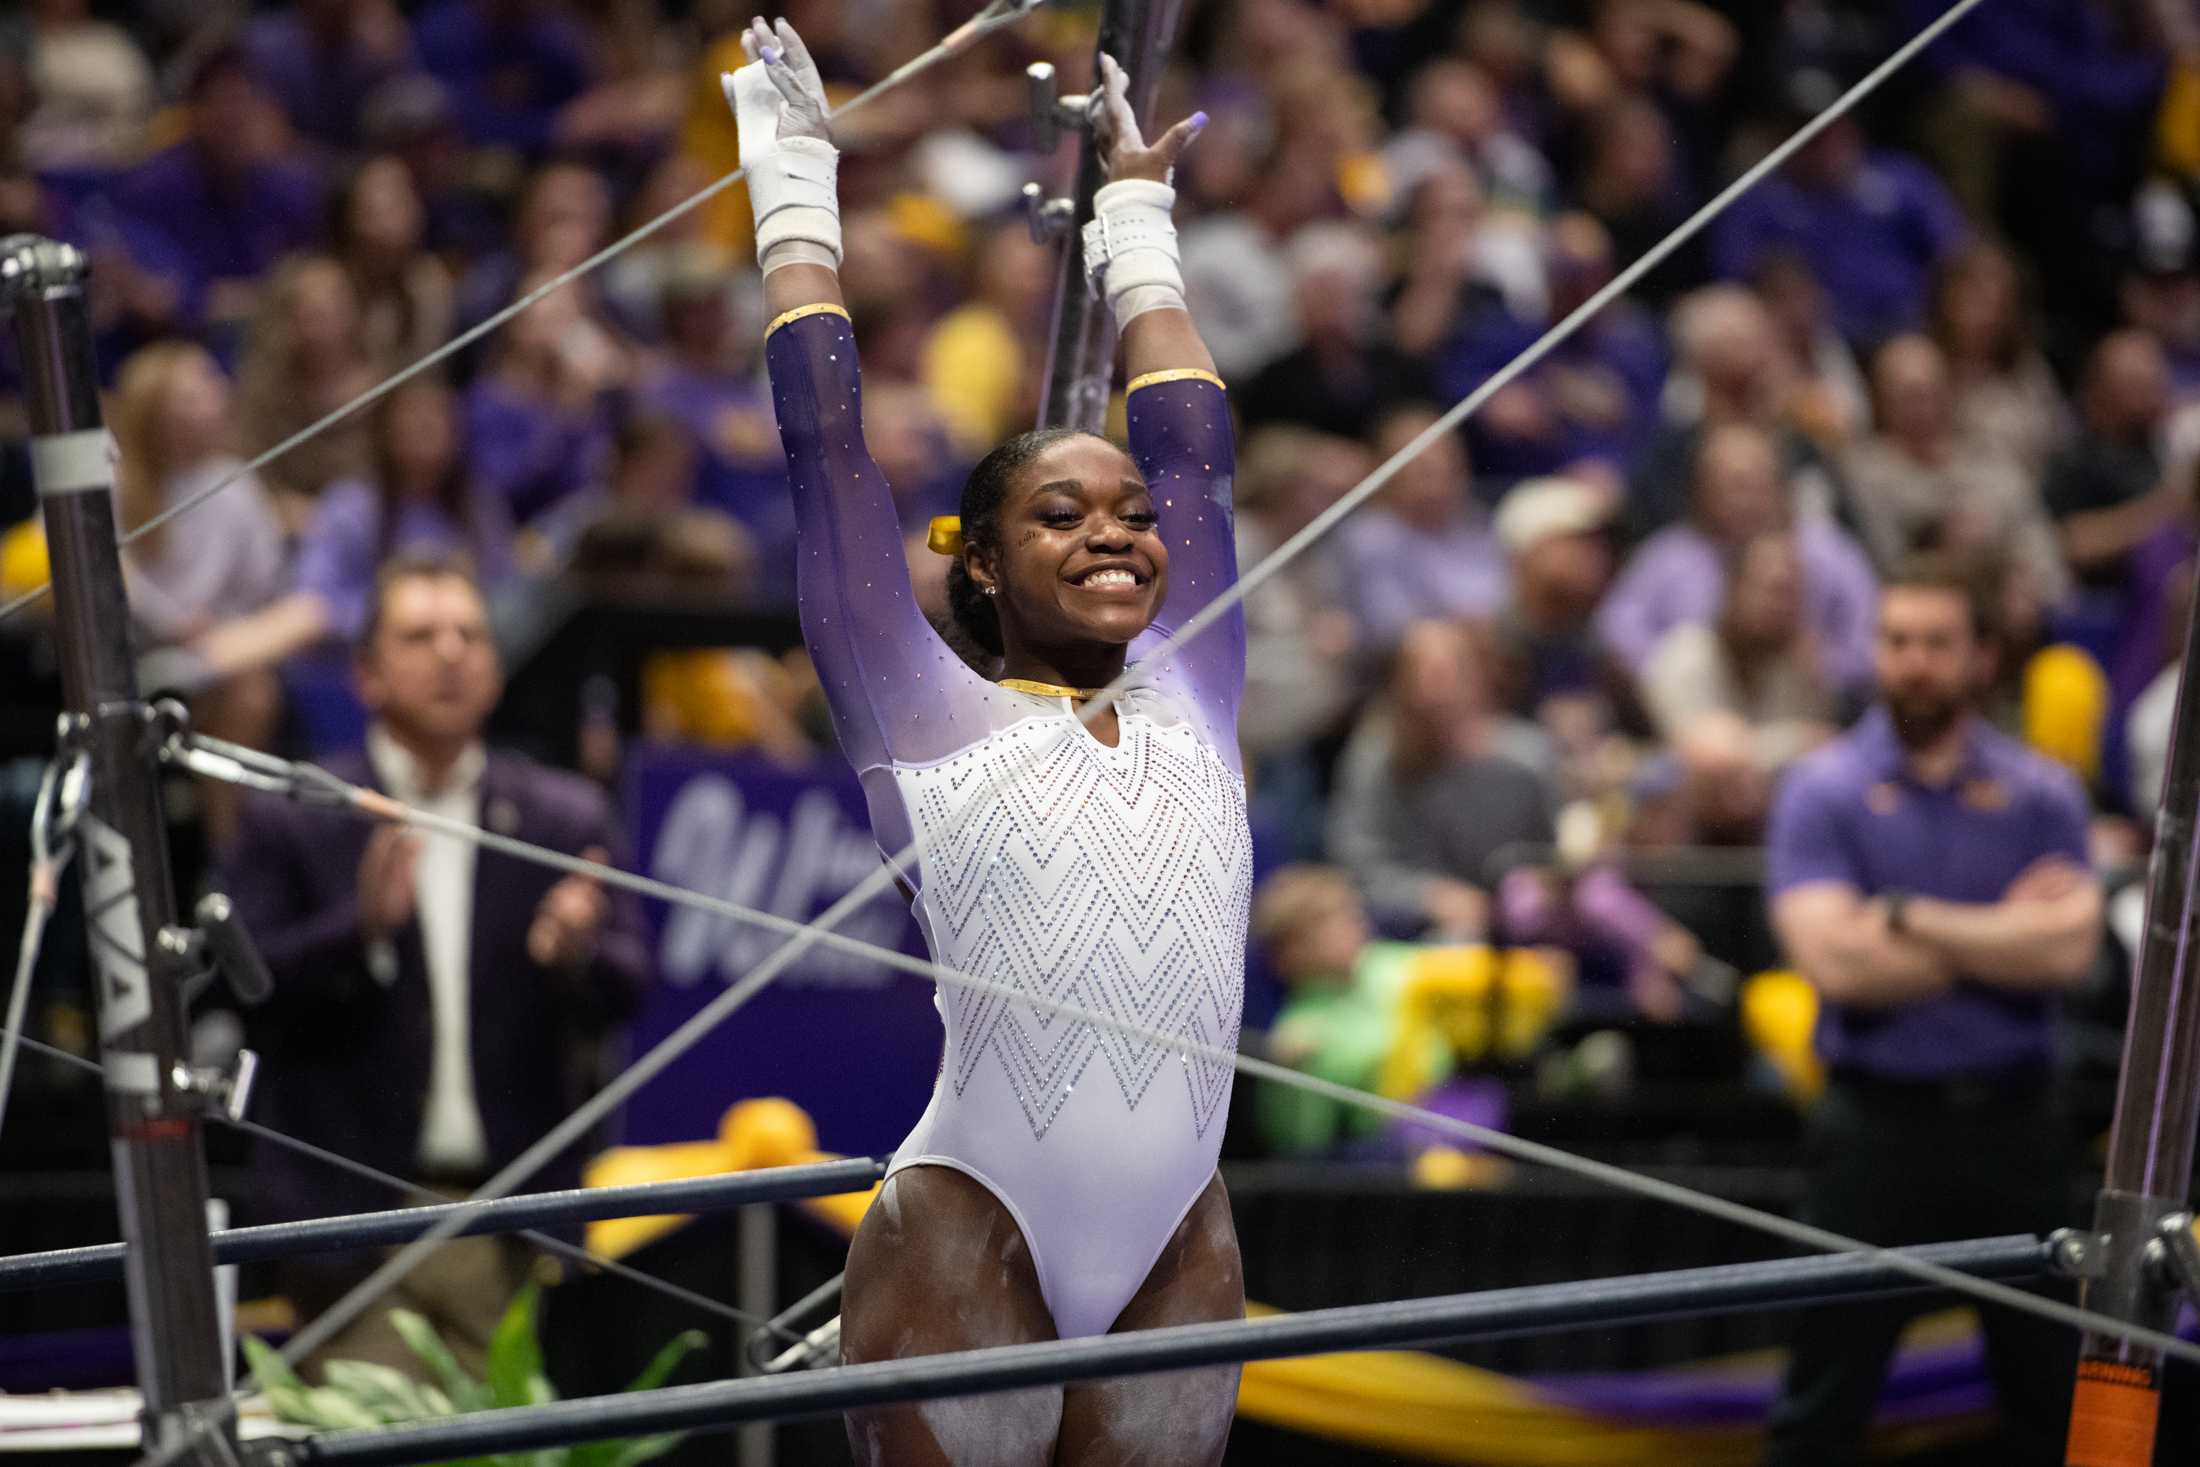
1080	557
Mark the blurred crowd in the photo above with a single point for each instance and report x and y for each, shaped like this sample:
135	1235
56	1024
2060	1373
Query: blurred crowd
1594	624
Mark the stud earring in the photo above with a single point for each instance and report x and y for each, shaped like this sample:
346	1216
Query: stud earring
993	590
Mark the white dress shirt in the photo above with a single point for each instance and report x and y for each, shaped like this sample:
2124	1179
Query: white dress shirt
451	1136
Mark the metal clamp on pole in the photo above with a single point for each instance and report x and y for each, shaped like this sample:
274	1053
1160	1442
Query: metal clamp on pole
219	945
154	1123
1053	114
1081	349
820	1346
2176	1254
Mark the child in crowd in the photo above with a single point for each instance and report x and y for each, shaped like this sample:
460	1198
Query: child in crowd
1396	1018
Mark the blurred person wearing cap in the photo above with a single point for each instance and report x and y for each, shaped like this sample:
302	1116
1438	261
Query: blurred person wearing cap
1930	877
1557	538
2161	290
212	214
91	88
1755	662
1424	548
1437	797
1678	575
1344	372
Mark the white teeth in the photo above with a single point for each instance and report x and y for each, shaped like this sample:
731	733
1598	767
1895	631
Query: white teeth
1111	578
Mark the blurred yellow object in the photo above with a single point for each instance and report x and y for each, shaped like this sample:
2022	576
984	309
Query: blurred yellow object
707	135
973	365
753	1135
2066	708
1467	1004
1780	1014
2177	129
23	561
705	695
927	223
1448	1169
1437	1410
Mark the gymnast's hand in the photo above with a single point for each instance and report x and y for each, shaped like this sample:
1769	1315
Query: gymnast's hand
1115	128
787	62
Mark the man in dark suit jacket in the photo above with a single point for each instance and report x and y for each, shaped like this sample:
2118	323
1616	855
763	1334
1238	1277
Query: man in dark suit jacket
434	1003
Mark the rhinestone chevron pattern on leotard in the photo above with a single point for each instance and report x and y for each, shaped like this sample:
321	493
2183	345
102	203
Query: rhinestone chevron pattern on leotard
1115	880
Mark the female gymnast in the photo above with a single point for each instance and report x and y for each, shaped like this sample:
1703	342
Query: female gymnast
1062	1182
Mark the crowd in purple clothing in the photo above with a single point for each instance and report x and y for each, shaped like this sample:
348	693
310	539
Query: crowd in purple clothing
1639	582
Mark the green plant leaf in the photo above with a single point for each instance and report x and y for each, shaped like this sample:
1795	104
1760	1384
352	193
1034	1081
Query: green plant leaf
333	1408
647	1449
466	1393
515	1355
390	1394
285	1392
623	1453
668	1359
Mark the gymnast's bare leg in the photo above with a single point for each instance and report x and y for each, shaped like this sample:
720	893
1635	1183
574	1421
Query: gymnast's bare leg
939	1265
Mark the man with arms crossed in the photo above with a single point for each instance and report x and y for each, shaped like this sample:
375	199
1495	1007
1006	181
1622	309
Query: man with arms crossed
1929	876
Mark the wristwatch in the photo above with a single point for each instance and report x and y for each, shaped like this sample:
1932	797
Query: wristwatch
1898	903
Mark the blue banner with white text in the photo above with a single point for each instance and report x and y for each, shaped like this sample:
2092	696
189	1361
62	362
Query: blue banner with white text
854	1043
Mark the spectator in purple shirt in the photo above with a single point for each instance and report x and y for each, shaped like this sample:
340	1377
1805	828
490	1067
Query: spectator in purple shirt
1873	225
1594	397
1424	550
1678	575
215	211
1929	876
419	499
537	420
701	383
2040	113
416	498
564	217
321	59
510	65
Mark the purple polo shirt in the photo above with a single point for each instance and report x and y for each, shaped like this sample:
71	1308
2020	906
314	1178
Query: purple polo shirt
181	219
1853	813
1873	244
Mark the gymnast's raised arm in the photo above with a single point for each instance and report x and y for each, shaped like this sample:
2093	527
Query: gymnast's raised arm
888	677
1179	419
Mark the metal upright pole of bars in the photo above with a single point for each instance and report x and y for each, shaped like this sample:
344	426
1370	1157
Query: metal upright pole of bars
153	1114
1081	350
2117	1400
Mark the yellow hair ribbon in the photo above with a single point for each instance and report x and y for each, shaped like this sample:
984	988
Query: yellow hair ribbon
946	535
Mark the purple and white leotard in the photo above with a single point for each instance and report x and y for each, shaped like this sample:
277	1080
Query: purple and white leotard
1112	879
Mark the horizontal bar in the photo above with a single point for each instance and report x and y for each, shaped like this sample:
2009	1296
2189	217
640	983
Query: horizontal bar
1600	1303
501	1215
